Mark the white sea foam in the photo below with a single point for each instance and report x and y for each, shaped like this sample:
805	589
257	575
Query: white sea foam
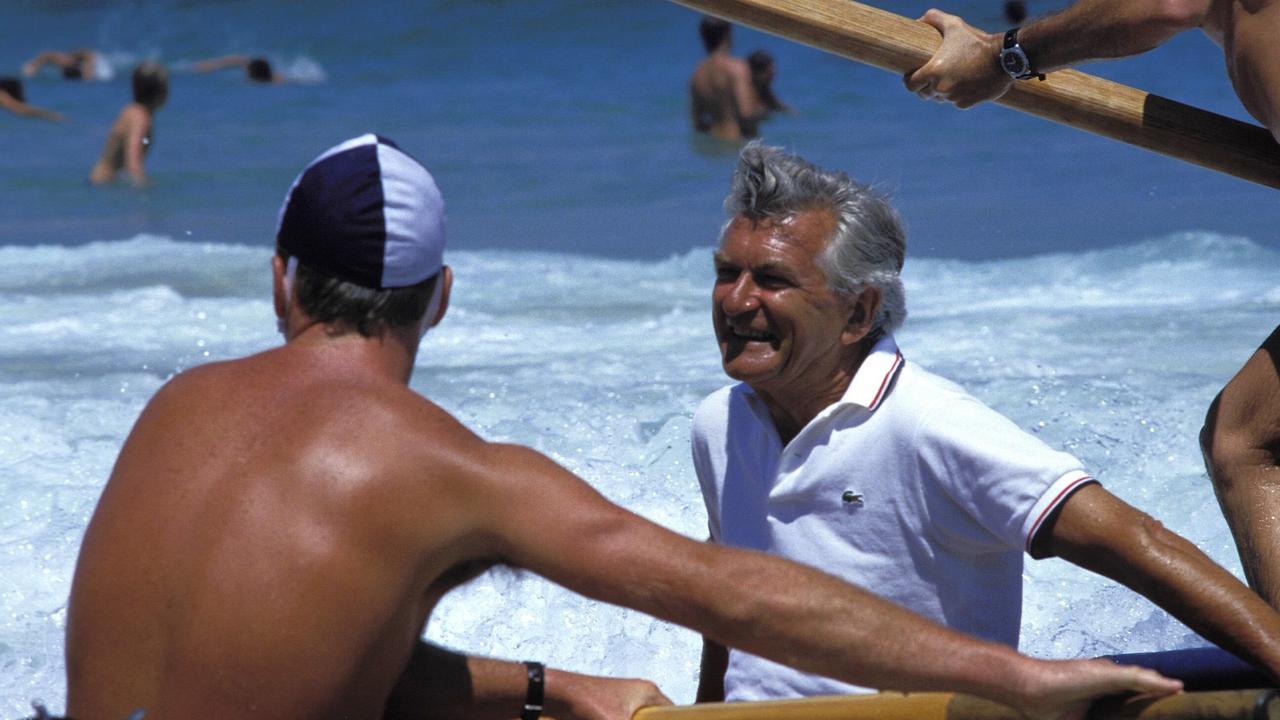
1111	354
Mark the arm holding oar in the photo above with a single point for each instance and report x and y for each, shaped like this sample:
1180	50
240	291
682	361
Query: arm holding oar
973	66
892	42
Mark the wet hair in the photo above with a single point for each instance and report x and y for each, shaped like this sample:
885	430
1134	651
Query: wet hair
1015	11
366	310
759	61
714	31
259	70
868	246
12	87
74	70
150	83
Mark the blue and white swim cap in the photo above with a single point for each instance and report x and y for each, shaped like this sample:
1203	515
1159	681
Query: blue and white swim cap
365	212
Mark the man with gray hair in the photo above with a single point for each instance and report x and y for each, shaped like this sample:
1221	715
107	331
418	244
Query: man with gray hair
834	451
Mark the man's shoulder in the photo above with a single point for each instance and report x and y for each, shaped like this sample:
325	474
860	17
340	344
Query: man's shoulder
721	402
924	403
135	113
916	386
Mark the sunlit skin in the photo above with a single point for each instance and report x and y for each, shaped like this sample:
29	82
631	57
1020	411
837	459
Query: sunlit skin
780	327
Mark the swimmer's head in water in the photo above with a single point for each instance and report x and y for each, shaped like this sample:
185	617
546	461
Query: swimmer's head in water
367	224
761	63
13	88
259	70
74	69
714	31
150	84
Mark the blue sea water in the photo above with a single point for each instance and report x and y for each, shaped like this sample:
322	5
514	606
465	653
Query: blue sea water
1098	294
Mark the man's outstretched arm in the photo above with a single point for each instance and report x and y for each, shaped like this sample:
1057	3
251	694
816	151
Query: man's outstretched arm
444	685
965	69
1097	531
1241	446
564	530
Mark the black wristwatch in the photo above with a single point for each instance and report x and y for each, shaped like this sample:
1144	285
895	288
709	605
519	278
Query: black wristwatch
1014	60
533	695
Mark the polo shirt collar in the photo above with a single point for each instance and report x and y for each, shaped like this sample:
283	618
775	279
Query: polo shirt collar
871	382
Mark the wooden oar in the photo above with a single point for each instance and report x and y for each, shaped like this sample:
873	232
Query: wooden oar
1221	705
896	43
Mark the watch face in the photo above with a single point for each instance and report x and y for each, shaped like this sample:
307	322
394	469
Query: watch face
1013	62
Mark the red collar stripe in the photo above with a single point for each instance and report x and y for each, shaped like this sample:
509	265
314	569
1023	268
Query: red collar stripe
893	370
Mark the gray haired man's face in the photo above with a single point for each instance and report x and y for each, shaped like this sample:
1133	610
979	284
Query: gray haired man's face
778	324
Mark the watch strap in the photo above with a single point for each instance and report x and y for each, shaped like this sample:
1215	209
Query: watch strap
533	695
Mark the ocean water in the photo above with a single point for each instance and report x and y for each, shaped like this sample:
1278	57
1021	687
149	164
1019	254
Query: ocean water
1097	294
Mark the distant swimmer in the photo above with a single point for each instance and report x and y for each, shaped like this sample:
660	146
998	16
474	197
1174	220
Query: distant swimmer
836	449
1241	445
763	72
278	528
13	99
130	136
80	64
972	66
256	69
722	99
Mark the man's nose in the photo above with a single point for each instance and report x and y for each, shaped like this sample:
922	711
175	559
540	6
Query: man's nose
741	297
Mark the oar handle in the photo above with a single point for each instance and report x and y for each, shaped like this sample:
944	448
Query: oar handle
896	43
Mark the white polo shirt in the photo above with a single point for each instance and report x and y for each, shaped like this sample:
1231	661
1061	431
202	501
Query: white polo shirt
907	486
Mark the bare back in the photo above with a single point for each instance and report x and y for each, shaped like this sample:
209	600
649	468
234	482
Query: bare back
255	552
723	101
127	143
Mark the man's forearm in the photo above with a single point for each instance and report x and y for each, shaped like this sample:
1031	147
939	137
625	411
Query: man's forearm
444	685
438	683
1101	533
814	622
1102	29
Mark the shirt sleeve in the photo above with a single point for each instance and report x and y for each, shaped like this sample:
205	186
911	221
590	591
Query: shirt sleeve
1006	479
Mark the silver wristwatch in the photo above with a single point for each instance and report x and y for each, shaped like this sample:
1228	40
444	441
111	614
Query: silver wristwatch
1014	60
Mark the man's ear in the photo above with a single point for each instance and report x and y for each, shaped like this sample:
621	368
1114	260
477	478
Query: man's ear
446	277
277	286
862	316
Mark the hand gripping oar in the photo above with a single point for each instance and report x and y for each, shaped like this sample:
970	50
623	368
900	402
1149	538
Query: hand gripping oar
896	43
1220	705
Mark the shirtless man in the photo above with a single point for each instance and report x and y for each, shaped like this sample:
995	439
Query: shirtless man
723	101
130	135
1241	444
278	528
13	99
967	68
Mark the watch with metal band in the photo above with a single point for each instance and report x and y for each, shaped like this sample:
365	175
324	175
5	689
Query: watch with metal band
1014	60
533	695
